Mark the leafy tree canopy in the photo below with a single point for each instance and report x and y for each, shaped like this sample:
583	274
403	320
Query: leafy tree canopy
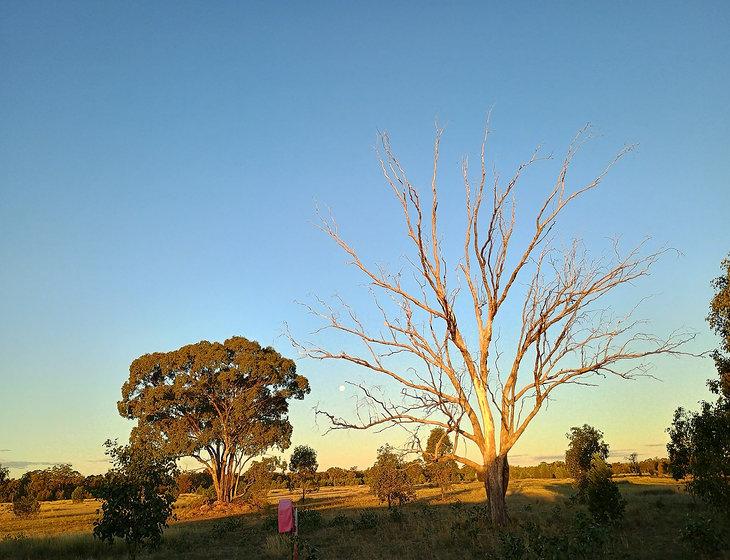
304	458
220	403
602	494
137	494
585	443
388	478
437	445
719	319
303	464
700	441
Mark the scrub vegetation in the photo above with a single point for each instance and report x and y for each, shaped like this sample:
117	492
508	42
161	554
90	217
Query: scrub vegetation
661	520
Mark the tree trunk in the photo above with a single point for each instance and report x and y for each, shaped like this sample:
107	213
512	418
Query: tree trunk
495	483
222	485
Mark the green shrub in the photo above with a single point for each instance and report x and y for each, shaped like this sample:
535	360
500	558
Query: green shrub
307	550
208	493
228	525
701	535
512	546
601	493
656	492
339	521
388	478
256	482
367	520
26	505
137	494
396	515
309	519
585	443
78	495
271	523
589	535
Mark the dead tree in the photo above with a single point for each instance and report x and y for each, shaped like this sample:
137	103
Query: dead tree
561	337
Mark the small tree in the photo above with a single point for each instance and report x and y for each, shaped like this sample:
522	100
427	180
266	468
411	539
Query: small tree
26	505
4	482
78	495
438	445
700	441
388	478
222	404
585	442
303	465
634	466
601	493
440	467
468	473
137	495
256	482
415	471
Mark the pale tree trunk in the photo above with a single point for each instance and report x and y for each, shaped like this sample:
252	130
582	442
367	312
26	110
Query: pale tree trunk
215	475
222	484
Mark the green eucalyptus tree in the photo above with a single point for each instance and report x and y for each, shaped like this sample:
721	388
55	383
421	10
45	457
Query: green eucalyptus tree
221	403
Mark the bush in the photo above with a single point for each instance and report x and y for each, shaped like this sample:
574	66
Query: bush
26	506
582	538
601	493
207	493
339	521
78	495
256	482
396	515
700	535
368	520
229	525
585	443
512	546
700	441
137	494
309	519
590	536
389	480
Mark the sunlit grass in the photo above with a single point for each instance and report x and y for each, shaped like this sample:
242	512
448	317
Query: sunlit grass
432	527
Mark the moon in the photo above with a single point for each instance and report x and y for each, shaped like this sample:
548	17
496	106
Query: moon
342	388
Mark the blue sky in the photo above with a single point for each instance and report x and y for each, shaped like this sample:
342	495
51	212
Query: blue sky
160	166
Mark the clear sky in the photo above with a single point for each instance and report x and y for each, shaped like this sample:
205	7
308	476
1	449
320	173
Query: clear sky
160	165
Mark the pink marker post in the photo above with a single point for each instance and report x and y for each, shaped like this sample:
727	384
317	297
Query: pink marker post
288	522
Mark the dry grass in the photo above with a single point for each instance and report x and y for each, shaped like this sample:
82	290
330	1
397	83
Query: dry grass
352	524
61	517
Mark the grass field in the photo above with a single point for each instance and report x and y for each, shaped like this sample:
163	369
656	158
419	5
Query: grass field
348	522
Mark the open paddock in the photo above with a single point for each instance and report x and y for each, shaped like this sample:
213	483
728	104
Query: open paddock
350	523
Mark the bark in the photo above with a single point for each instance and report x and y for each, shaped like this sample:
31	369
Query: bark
223	485
505	476
495	483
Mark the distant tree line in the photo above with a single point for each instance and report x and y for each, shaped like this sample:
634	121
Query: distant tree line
58	482
62	482
654	466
